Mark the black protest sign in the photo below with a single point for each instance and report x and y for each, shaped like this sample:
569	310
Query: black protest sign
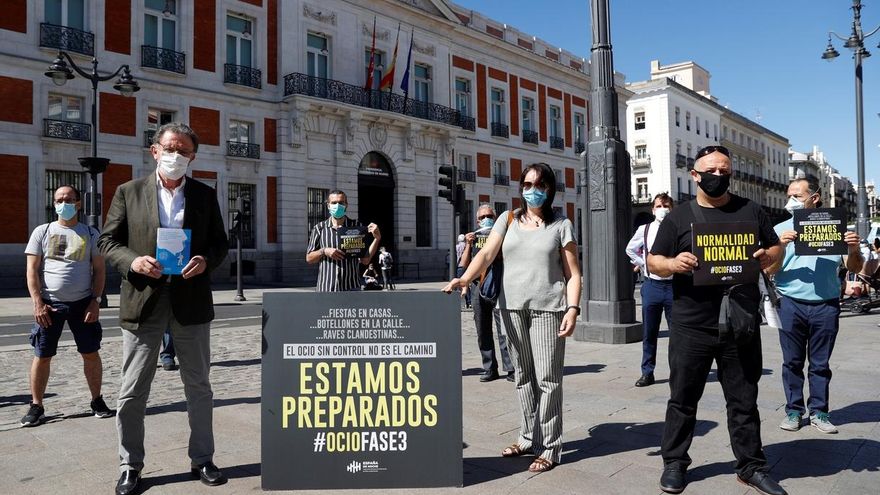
725	251
820	231
361	390
480	238
353	240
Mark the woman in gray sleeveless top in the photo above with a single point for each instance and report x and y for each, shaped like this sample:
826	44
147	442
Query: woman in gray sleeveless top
540	291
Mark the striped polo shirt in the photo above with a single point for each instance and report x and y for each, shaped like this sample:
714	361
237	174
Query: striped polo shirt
334	276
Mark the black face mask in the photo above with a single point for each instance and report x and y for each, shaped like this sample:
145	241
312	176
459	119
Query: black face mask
714	185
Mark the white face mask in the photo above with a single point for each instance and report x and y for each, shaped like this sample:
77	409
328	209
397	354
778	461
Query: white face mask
794	204
660	213
173	165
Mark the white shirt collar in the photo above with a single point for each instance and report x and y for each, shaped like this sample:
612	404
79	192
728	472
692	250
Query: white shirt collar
162	186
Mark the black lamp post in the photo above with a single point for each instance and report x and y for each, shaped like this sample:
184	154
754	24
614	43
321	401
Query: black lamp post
856	43
60	73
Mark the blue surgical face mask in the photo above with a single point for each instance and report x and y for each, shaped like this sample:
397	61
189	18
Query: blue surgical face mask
65	211
487	223
534	197
337	210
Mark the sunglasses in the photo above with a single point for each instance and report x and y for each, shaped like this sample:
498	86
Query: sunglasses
482	217
529	185
708	150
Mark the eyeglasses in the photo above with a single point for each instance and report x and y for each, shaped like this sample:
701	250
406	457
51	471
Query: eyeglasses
708	150
482	217
185	153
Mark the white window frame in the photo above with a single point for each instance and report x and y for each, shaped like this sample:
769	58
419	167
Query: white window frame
238	125
463	97
65	107
639	120
641	151
466	162
378	64
528	113
65	14
580	124
240	37
423	86
161	17
497	107
317	55
555	121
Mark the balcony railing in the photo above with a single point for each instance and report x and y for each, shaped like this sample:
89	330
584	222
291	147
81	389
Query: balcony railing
530	136
685	196
467	123
690	163
67	38
680	160
579	147
303	84
242	150
560	185
502	180
243	76
148	137
641	200
557	143
640	163
162	58
61	129
737	175
500	130
467	176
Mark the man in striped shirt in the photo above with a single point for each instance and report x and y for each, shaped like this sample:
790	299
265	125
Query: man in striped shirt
337	271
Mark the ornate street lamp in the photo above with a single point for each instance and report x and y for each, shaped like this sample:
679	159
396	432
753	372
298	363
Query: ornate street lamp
60	73
856	43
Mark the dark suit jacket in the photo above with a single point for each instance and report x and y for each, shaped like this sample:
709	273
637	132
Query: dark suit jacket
130	231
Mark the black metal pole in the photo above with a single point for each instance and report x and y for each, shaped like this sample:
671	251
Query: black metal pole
239	292
862	197
608	307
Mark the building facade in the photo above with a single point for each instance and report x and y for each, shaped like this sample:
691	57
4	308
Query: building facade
276	91
673	115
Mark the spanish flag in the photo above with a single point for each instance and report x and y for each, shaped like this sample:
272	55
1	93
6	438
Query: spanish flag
388	79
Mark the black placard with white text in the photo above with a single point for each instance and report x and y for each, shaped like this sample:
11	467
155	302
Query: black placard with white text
725	252
361	390
353	241
820	231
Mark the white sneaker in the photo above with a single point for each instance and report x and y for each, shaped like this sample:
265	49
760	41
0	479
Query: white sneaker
792	421
821	422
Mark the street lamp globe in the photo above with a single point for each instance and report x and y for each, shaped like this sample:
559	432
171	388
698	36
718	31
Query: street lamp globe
59	72
126	85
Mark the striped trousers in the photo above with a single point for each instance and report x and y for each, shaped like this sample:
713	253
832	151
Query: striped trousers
538	355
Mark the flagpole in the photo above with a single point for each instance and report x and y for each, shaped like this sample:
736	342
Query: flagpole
404	81
369	83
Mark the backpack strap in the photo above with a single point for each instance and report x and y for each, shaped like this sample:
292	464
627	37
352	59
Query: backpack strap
509	221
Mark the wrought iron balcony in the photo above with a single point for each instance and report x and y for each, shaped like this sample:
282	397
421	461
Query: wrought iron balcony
67	38
680	160
502	180
61	129
579	147
500	130
557	143
690	163
148	137
637	163
467	176
530	136
162	58
243	76
467	123
737	175
303	84
242	150
560	185
641	200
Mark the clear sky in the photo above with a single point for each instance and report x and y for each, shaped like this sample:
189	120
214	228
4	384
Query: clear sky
764	58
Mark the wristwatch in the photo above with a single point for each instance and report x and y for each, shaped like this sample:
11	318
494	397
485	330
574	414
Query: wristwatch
577	308
98	299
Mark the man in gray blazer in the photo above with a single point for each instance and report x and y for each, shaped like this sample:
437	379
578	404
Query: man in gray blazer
150	302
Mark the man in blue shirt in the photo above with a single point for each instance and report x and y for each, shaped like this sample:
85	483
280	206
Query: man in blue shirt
809	311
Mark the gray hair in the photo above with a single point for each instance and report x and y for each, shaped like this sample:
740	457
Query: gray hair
177	128
486	205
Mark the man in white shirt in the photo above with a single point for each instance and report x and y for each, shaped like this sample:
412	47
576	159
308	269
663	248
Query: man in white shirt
656	291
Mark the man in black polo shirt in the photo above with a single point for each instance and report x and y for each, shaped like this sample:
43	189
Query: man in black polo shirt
336	271
694	340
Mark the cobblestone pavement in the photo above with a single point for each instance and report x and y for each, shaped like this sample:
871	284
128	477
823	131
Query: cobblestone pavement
612	429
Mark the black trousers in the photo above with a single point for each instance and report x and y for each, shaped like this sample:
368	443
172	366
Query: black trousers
739	365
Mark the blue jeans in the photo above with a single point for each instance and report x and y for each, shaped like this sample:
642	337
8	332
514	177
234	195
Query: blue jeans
808	332
656	298
167	354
